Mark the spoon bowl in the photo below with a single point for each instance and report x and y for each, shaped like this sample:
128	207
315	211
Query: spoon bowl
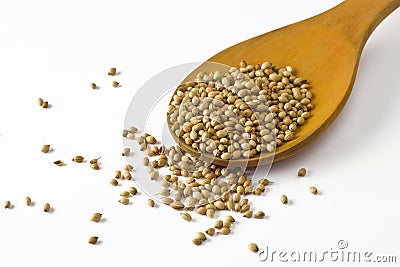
325	50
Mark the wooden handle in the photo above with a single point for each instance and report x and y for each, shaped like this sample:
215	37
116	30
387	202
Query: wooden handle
357	19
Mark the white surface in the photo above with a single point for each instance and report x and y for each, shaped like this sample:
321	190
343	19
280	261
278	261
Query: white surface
55	50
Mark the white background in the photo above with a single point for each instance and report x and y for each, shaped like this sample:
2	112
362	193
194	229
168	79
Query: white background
55	49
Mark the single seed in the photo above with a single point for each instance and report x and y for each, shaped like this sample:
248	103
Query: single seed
59	162
126	152
284	199
150	202
227	224
94	166
253	247
229	218
132	129
93	85
94	161
45	148
313	190
28	201
132	190
115	84
96	217
186	216
124	201
259	215
46	207
78	159
202	210
301	172
248	214
264	181
112	71
93	240
196	241
210	213
210	231
45	104
7	205
40	101
128	167
218	224
167	200
125	194
145	161
177	205
114	182
117	174
151	140
201	236
224	231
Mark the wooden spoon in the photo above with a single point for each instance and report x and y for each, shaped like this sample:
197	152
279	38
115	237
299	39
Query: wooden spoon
325	50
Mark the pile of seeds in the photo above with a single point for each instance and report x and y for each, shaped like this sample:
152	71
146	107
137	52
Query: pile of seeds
250	110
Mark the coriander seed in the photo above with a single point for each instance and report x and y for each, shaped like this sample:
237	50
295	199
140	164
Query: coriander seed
7	205
94	166
186	216
210	231
96	217
124	201
93	240
114	182
313	190
59	162
93	86
126	152
28	201
301	172
284	199
40	101
150	202
112	71
132	190
201	236
46	207
259	215
125	194
196	241
115	84
45	148
253	247
78	159
224	231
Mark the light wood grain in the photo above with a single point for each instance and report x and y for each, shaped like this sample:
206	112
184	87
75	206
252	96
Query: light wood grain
325	50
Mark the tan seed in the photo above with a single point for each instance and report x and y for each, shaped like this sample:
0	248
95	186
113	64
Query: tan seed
313	190
227	224
128	167
264	181
151	140
93	85
177	205
301	172
218	224
96	217
186	216
112	71
284	199
114	182
248	214
150	202
126	152
202	210
224	231
230	219
46	207
59	162
94	161
196	241
167	200
94	166
125	194
253	247
210	231
132	190
45	148
45	104
145	161
40	101
78	159
201	236
93	240
7	205
127	175
259	215
117	174
28	201
124	201
210	213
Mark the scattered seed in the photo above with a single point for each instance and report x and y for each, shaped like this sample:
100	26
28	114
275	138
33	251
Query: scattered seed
151	139
40	101
132	190
150	202
227	224
118	174
253	247
210	213
93	86
115	84
196	241
259	215
224	231
230	219
114	182
210	231
28	201
128	167
248	214
45	148
313	190
301	172
94	161
145	161
186	216
112	71
201	236
125	194
93	240
96	217
124	201
126	152
78	159
167	200
94	166
45	104
218	224
46	207
284	199
7	204
130	136
59	162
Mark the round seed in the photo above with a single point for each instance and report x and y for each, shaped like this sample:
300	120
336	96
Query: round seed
40	101
93	85
114	182
248	214
78	159
95	166
7	205
96	217
167	201
93	240
201	236
145	161
210	213
132	190
151	140
177	205
94	161
127	175
124	201
118	174
150	202
313	190
253	247
301	172
45	148
218	224
28	201
259	215
284	199
186	216
128	167
230	219
46	207
224	231
201	210
196	241
132	129
59	162
112	71
126	152
115	84
45	104
210	231
125	194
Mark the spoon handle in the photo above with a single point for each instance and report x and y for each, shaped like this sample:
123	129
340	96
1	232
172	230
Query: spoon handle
357	19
